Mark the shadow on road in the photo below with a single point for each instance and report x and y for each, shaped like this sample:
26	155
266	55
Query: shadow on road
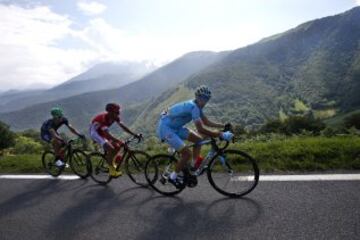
93	205
34	194
176	219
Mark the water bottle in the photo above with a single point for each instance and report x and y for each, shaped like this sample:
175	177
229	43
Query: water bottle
198	162
222	160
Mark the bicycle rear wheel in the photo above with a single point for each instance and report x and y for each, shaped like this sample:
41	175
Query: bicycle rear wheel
48	161
135	167
98	168
233	173
78	163
157	173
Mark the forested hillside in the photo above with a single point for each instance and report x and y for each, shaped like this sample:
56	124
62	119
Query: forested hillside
312	69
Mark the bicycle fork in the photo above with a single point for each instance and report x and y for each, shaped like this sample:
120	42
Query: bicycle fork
225	165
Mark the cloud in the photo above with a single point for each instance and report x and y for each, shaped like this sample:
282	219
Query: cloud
28	48
91	8
357	2
37	45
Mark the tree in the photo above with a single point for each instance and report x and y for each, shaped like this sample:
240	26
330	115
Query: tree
297	124
273	126
353	121
7	137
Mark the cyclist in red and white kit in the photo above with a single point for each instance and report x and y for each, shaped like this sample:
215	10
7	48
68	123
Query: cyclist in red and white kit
99	132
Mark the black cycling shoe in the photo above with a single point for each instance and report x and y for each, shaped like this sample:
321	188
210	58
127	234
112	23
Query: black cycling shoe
191	181
178	182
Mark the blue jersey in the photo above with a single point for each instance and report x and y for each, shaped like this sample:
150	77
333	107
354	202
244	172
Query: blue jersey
50	124
182	113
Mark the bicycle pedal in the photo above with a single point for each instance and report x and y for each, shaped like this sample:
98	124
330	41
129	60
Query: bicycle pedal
162	180
192	182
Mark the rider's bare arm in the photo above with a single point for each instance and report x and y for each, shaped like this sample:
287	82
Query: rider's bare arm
111	137
126	129
209	123
55	135
203	131
73	130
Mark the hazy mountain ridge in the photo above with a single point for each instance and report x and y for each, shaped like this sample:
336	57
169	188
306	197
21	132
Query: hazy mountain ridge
133	96
316	63
100	77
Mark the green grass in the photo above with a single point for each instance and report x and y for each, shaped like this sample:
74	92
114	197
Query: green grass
305	153
277	154
22	163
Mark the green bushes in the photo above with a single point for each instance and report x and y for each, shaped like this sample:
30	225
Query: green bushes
352	121
26	145
294	125
305	153
7	137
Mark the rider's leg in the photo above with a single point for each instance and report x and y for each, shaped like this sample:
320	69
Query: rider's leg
58	148
195	137
185	157
110	152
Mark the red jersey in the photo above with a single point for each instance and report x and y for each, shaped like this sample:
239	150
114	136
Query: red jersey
104	123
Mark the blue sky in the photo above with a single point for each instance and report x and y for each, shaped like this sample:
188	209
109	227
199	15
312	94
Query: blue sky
50	41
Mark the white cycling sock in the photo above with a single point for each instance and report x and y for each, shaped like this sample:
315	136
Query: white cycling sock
173	175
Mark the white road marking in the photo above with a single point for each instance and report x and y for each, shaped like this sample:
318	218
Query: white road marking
263	178
311	177
305	177
62	177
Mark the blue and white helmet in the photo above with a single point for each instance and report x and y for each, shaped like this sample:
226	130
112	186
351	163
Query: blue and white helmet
203	92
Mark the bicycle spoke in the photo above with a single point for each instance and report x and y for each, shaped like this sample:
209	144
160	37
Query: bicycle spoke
78	163
157	172
135	167
48	161
233	174
99	168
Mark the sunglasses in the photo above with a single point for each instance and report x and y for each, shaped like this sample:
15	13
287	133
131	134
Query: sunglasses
205	99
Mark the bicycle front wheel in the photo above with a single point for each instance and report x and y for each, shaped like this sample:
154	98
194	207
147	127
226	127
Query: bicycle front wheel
78	163
135	167
48	161
233	173
99	168
157	173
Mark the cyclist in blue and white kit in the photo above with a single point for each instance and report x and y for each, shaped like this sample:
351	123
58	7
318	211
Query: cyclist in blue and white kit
172	131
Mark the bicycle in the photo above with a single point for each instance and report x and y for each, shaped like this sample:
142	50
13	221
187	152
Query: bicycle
73	157
134	163
220	164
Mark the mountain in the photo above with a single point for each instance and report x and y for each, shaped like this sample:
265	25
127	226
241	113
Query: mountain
313	68
134	96
101	76
134	70
12	95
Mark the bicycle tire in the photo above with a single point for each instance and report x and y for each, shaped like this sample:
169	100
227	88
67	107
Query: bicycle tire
135	167
78	163
48	159
157	171
98	168
235	161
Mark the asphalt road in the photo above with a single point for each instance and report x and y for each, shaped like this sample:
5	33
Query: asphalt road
81	209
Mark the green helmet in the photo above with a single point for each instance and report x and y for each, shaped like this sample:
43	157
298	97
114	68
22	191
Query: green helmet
57	112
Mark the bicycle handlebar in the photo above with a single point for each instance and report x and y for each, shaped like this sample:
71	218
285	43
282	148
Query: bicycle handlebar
132	138
72	140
